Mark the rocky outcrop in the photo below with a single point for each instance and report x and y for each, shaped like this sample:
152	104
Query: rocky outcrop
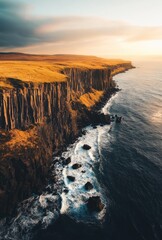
56	114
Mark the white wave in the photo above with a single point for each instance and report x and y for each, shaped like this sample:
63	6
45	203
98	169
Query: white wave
74	200
35	211
107	106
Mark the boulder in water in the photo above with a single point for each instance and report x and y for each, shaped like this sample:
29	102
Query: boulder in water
88	186
76	166
66	190
94	204
71	178
84	132
86	147
67	161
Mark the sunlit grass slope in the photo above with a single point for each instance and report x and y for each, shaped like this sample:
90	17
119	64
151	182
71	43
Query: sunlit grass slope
44	68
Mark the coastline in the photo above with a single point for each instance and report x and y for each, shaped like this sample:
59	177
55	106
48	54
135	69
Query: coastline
39	120
41	210
92	118
52	194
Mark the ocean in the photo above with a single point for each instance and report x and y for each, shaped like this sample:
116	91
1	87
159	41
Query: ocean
124	166
132	159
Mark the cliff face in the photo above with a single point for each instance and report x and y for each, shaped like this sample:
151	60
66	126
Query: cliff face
29	103
33	104
45	115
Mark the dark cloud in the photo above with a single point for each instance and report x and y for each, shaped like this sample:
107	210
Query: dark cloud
19	30
15	30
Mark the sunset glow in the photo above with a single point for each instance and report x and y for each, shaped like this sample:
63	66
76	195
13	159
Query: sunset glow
103	28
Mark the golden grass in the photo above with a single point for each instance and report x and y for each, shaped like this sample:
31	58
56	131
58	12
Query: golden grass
22	138
12	142
19	137
118	70
89	99
39	68
4	84
37	72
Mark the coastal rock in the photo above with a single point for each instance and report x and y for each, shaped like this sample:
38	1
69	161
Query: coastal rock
65	190
88	186
84	132
76	166
67	161
86	147
71	178
94	204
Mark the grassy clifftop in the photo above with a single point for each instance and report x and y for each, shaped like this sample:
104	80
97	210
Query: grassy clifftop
44	68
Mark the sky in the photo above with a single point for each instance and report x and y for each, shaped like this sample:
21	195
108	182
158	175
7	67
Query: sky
109	28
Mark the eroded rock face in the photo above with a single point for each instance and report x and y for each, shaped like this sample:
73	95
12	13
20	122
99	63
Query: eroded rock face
54	109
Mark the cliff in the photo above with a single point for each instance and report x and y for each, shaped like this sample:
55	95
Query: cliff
44	102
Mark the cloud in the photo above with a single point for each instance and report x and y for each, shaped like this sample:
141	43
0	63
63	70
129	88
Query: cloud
20	30
146	33
16	29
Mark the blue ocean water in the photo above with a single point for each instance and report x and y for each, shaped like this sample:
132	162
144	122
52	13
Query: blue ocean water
132	158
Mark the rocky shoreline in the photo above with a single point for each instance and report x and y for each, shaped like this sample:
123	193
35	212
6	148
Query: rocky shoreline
35	216
90	117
